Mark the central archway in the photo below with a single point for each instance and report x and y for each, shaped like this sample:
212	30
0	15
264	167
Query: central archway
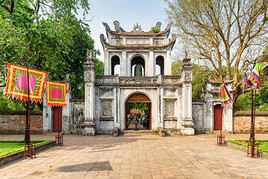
138	112
138	66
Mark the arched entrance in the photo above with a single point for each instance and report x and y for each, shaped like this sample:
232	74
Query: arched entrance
138	112
137	66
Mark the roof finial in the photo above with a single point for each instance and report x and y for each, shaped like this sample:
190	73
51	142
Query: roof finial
137	28
89	54
186	54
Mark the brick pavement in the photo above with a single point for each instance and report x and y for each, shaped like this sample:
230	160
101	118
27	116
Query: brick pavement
138	155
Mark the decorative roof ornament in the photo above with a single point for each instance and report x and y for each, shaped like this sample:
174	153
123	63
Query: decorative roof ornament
107	27
186	54
158	25
168	27
89	59
137	28
117	27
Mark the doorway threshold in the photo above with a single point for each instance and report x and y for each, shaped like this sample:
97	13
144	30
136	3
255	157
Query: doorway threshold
138	131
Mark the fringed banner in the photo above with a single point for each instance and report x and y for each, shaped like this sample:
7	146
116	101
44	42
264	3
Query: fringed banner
17	83
252	80
56	93
225	96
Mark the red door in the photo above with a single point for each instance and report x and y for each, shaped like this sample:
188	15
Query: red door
218	117
57	119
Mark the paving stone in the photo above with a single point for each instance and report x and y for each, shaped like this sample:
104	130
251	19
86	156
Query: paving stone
137	156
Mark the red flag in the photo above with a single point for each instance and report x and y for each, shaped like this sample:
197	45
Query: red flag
56	93
18	86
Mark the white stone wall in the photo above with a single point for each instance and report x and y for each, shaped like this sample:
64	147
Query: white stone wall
66	114
118	97
47	116
199	117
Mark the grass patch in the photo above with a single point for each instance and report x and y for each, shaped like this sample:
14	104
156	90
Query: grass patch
11	147
263	144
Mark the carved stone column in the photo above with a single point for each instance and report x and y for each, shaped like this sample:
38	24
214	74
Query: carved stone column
89	125
187	120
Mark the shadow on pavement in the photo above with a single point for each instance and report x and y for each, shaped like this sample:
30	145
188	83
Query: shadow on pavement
96	166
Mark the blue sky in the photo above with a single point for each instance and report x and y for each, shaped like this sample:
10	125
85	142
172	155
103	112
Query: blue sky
127	12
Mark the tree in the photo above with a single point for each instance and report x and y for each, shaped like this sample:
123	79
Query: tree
200	75
46	35
224	34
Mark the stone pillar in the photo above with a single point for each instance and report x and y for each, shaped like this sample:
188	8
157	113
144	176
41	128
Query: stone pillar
89	126
106	61
151	64
123	64
161	124
187	120
168	64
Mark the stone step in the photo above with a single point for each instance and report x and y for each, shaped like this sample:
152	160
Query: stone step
139	131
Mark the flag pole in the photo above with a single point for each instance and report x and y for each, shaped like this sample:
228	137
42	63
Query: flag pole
28	145
252	150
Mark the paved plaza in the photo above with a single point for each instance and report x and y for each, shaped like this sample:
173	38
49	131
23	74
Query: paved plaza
138	155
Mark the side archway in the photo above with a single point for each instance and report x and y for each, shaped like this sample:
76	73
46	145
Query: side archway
115	65
159	65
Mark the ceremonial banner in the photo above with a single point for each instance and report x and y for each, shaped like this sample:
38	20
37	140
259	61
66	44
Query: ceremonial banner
56	93
18	87
252	80
225	96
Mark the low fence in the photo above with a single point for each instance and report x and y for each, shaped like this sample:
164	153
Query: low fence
242	122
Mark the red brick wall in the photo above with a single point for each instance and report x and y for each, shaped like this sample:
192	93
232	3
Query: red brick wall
242	124
14	124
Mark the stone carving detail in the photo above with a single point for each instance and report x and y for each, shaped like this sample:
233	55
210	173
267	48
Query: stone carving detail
87	76
158	25
106	26
103	39
138	80
171	80
144	80
168	27
117	27
137	28
106	80
106	107
106	92
169	108
187	76
77	117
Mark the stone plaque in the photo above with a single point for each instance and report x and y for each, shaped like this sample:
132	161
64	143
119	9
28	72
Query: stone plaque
169	108
106	107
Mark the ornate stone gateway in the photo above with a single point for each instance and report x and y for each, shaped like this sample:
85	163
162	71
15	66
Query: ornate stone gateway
138	112
137	90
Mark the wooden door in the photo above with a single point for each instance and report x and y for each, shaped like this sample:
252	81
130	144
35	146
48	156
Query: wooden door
57	119
217	117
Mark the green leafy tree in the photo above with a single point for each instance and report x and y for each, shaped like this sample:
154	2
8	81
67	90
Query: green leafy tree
201	74
224	34
46	35
56	43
